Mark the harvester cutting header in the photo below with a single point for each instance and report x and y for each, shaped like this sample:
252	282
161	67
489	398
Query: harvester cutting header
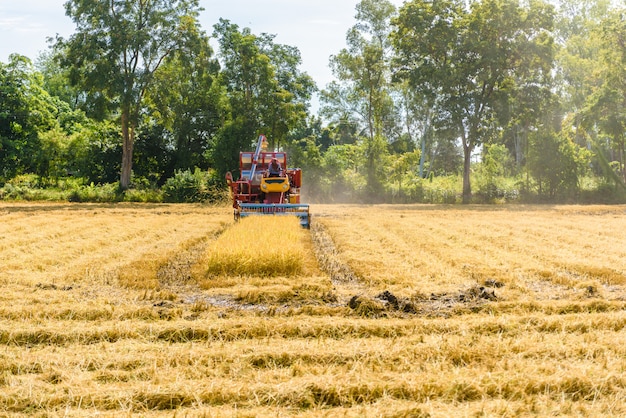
266	186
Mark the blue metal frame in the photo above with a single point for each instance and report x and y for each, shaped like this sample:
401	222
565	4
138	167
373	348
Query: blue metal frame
301	210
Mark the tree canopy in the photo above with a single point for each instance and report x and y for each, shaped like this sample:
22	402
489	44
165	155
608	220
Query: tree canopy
116	50
473	60
434	101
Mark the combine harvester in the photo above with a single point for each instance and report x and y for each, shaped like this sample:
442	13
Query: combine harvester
261	192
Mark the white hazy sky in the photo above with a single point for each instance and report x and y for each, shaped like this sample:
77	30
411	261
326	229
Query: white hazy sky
316	27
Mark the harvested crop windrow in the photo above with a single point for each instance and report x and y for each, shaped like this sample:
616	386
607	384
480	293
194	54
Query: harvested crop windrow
259	246
167	267
92	244
178	270
328	258
345	283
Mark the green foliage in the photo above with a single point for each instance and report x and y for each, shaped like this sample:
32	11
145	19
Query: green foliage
185	110
20	187
556	164
610	170
53	155
56	82
403	166
111	193
497	190
305	154
472	58
196	186
464	75
143	195
154	155
25	110
264	93
579	28
604	108
31	187
362	94
117	49
234	137
601	190
492	177
92	193
95	149
343	180
439	190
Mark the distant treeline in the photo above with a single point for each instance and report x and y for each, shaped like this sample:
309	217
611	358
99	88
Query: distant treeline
444	102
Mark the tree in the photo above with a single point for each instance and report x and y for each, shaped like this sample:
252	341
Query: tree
470	59
116	50
578	33
556	163
605	107
56	81
403	166
265	92
342	177
26	110
417	120
362	93
95	151
185	111
286	108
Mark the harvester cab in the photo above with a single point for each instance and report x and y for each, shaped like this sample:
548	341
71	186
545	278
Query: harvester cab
266	186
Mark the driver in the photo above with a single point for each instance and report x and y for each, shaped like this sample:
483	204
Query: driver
274	169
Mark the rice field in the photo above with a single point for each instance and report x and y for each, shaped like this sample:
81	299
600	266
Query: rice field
377	311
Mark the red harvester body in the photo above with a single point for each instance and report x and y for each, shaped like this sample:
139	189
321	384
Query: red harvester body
259	192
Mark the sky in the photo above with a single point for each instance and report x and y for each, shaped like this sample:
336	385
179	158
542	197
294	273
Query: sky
316	27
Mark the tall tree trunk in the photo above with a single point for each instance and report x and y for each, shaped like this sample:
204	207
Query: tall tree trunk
622	155
425	136
128	138
467	160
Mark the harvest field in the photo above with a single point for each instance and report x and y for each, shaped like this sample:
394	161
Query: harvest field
393	311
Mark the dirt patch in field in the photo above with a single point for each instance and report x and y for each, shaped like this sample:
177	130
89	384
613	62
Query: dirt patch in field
442	304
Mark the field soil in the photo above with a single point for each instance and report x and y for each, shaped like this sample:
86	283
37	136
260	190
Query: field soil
376	311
